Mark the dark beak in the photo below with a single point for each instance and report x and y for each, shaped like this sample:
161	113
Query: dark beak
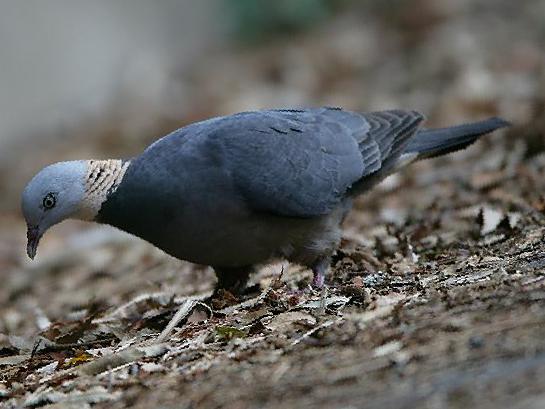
33	236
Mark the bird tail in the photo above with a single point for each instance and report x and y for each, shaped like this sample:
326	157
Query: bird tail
429	143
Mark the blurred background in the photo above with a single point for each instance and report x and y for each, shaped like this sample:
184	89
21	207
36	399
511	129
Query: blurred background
104	79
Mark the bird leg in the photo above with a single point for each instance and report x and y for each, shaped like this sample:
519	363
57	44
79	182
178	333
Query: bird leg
232	279
320	268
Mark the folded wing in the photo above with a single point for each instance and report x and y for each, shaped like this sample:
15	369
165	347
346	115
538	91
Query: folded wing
303	163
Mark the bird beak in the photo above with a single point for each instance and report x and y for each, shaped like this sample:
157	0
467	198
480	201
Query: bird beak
33	236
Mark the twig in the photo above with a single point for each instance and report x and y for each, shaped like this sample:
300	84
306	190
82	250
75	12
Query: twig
62	347
210	310
35	349
315	329
182	312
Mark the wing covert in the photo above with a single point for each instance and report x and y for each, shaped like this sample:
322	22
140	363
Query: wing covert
302	163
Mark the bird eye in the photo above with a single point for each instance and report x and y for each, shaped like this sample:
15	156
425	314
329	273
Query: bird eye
49	201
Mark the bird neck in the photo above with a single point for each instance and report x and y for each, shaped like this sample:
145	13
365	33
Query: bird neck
102	178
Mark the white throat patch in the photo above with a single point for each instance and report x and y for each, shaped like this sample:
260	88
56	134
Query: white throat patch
103	177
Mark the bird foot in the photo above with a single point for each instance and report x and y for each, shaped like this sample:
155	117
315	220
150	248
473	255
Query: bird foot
318	280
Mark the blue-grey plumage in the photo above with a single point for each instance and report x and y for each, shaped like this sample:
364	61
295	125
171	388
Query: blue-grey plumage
237	191
428	143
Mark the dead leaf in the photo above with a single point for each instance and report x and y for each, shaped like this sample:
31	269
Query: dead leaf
281	321
332	301
48	369
152	367
13	360
513	218
489	219
388	348
123	357
78	359
225	332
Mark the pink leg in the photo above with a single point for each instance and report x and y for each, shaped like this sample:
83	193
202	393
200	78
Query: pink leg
318	279
320	269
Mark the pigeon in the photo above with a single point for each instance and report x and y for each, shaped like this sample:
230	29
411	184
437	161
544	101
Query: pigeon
239	191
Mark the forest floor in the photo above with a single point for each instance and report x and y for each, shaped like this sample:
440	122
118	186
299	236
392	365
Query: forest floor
436	299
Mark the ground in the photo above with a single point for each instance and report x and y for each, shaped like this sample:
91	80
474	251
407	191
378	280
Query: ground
436	299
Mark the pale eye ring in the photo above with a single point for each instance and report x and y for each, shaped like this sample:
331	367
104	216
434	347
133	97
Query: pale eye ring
49	201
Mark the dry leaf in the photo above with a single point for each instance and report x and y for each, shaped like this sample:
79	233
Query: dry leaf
78	359
281	321
225	332
489	220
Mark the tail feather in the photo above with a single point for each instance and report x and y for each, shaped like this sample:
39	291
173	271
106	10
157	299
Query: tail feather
428	143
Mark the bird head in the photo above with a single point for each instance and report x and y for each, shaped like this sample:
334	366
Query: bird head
56	193
64	190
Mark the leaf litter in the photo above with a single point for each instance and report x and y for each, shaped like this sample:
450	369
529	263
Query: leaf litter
435	299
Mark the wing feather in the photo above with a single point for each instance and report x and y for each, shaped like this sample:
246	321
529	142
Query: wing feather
303	163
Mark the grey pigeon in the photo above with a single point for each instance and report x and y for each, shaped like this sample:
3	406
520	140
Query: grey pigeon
238	191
